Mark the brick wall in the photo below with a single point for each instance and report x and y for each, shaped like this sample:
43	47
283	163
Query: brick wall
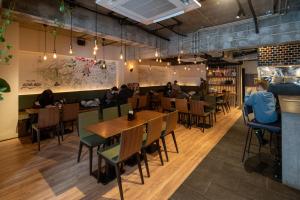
286	54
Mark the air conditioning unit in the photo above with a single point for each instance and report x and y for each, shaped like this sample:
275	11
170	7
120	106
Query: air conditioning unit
149	11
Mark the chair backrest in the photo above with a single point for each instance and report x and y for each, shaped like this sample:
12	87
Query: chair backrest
133	102
131	142
166	103
246	111
172	119
226	96
154	130
85	119
124	108
197	107
70	112
181	105
48	117
142	101
110	113
212	100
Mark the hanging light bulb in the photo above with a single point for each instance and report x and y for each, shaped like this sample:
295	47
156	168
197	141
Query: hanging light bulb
54	55
94	52
96	45
71	50
156	60
156	53
125	63
160	60
189	68
174	72
140	60
181	51
207	68
184	68
45	57
168	63
121	56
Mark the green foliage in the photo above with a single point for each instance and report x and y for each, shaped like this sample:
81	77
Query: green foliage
6	17
4	87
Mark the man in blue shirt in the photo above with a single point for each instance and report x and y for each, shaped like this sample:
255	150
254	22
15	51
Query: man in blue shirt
263	104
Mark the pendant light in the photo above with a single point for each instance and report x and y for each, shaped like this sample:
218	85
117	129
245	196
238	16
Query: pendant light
45	44
103	54
125	62
71	34
178	49
54	43
95	49
121	52
156	50
195	59
140	59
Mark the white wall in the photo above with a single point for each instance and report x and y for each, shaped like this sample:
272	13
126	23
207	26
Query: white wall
9	106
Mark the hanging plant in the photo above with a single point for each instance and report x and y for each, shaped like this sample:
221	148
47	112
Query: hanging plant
4	87
5	48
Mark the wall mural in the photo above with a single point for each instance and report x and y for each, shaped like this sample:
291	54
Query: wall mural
66	73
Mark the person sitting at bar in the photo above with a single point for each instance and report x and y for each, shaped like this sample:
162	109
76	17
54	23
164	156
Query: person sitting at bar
168	90
110	98
124	94
46	99
263	104
203	88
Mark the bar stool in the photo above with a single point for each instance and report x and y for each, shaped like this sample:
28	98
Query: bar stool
273	128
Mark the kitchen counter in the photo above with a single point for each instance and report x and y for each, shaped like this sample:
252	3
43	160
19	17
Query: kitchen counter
290	113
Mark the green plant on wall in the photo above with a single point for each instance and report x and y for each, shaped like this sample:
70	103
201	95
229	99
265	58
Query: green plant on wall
6	19
4	87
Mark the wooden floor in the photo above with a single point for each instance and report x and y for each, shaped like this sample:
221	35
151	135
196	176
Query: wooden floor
54	173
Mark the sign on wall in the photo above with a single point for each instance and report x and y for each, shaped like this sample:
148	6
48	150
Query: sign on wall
66	73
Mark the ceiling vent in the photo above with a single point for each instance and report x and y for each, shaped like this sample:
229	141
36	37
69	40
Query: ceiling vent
148	11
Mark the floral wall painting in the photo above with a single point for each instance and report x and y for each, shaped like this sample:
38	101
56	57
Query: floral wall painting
66	73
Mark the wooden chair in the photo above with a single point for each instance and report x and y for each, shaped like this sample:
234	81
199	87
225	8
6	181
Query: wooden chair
142	103
133	102
110	113
197	112
170	127
166	104
130	145
227	101
221	104
153	134
48	118
86	138
156	100
124	108
69	115
183	111
212	108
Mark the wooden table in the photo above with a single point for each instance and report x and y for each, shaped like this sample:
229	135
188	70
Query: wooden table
114	127
35	111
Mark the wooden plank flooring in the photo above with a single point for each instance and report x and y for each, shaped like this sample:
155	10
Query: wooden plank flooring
54	172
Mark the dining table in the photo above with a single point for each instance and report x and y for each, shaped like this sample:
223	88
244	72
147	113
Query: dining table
111	128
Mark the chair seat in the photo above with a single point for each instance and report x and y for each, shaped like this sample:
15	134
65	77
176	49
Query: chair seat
93	140
111	154
272	127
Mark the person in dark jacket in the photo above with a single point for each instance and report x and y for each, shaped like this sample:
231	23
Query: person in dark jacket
46	99
110	99
124	94
168	90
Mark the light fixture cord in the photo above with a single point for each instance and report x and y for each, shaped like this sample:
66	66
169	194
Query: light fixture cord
71	34
45	27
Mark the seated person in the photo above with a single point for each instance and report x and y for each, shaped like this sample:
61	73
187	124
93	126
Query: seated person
46	99
168	90
124	94
263	104
176	88
110	98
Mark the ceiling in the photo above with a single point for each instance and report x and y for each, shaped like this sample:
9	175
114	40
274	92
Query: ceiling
212	13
